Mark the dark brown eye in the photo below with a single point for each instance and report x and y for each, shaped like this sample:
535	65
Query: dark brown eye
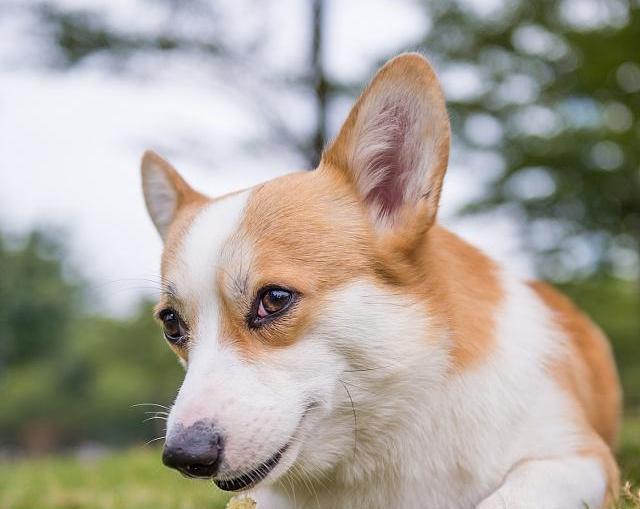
271	302
175	329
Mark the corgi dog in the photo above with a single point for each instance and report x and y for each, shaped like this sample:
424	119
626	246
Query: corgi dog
344	350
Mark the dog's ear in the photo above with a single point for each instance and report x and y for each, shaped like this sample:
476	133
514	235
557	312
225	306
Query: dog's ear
165	191
394	145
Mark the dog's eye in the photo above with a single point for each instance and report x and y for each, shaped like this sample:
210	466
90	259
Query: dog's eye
270	303
175	329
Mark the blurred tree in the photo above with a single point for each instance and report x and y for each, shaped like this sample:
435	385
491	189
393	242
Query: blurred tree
38	298
67	376
613	304
551	91
544	99
197	28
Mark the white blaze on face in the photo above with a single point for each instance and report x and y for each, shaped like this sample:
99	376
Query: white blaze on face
199	257
250	403
193	275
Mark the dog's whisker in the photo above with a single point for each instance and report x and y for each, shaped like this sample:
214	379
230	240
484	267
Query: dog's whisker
305	478
355	418
151	404
155	417
155	440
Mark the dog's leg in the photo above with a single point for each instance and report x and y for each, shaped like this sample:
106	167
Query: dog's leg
575	482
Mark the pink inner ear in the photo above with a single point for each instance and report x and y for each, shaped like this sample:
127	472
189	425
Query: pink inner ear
388	168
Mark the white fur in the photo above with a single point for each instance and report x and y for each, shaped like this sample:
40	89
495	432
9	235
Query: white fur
558	483
199	259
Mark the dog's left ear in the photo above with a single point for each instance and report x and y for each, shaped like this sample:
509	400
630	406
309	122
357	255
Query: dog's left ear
394	146
165	191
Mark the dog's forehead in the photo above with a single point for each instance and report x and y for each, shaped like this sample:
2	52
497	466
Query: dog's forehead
294	230
202	249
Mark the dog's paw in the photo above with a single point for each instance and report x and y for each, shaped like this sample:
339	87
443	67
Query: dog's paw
493	502
502	500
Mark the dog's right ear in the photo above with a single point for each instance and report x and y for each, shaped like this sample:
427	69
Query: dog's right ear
165	191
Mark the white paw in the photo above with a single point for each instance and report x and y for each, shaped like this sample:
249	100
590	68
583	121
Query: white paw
502	500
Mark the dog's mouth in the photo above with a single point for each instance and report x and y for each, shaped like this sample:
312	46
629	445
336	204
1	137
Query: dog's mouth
252	477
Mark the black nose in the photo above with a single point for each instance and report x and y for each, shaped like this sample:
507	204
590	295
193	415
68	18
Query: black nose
195	451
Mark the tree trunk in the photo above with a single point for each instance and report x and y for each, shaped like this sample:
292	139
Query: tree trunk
320	82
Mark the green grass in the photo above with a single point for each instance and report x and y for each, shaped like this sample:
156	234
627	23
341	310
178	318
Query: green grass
136	479
629	460
133	479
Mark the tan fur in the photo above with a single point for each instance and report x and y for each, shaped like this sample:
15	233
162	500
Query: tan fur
600	450
283	221
180	227
590	368
462	288
588	372
188	203
457	282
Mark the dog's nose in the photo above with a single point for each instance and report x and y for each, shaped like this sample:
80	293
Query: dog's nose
195	451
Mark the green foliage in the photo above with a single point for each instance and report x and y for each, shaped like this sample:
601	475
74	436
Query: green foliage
37	299
129	365
69	376
615	305
79	34
629	452
90	387
553	115
560	96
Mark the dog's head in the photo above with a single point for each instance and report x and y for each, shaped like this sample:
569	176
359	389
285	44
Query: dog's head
280	298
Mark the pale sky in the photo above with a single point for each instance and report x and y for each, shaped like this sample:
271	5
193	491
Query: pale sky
71	141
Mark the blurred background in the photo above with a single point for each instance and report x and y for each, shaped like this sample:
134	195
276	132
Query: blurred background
544	98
